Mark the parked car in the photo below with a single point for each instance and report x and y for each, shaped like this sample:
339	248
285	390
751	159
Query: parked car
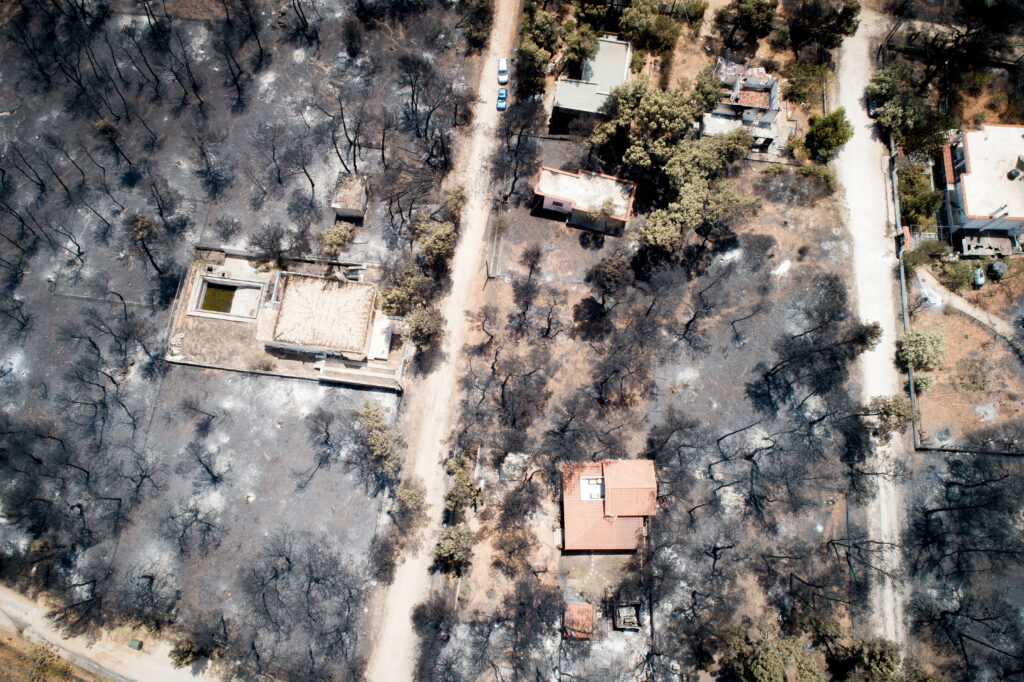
502	71
502	99
1013	174
979	277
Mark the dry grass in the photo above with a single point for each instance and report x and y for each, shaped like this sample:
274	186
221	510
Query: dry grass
23	661
1004	298
979	374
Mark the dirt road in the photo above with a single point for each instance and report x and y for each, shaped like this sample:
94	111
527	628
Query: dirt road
861	167
108	657
431	403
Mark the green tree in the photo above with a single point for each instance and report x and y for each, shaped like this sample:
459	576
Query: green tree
544	30
637	22
438	244
827	133
580	44
889	415
754	18
336	237
454	546
903	114
770	657
921	350
918	201
822	23
646	29
645	124
454	202
410	504
382	443
424	327
530	64
462	493
409	287
807	81
692	11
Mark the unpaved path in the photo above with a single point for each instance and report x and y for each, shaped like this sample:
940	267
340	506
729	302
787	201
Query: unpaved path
108	656
999	325
861	167
431	403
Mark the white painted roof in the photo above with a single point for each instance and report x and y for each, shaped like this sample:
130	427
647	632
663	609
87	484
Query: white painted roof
587	191
991	153
607	70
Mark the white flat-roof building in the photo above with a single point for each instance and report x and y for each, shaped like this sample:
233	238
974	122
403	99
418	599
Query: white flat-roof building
606	71
590	200
986	198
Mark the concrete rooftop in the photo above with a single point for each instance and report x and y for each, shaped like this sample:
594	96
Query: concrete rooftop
607	70
587	191
991	153
325	313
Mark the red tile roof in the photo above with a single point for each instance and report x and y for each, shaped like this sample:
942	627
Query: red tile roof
589	524
748	97
947	163
630	488
579	621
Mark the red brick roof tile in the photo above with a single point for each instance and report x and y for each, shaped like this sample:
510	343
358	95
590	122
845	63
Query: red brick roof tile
579	621
588	524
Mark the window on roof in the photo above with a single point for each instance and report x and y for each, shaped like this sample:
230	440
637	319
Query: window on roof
592	488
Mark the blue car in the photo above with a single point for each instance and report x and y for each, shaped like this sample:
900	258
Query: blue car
502	99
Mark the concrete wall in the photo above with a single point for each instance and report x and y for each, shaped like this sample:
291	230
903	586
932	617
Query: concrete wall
557	205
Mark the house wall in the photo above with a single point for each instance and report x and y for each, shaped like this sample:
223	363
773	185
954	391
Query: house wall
1013	226
557	205
349	212
1010	225
608	225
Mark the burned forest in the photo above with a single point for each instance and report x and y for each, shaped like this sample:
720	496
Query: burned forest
487	340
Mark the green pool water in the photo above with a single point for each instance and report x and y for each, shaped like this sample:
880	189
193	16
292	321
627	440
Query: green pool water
218	297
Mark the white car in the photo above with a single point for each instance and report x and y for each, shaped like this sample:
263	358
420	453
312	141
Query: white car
502	71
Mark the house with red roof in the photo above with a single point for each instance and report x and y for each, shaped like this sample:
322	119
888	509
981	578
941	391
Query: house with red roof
606	504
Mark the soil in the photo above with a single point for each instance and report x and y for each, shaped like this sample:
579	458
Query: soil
106	657
23	661
980	384
860	168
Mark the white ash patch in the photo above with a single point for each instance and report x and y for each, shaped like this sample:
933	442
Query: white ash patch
837	251
267	81
986	412
782	268
731	255
687	376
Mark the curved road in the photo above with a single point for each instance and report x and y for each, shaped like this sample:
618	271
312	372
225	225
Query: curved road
431	403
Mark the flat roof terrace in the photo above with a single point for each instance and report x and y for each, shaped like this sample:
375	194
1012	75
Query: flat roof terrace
325	313
606	71
587	191
991	152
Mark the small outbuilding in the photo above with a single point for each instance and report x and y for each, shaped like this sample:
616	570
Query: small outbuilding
578	622
350	197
